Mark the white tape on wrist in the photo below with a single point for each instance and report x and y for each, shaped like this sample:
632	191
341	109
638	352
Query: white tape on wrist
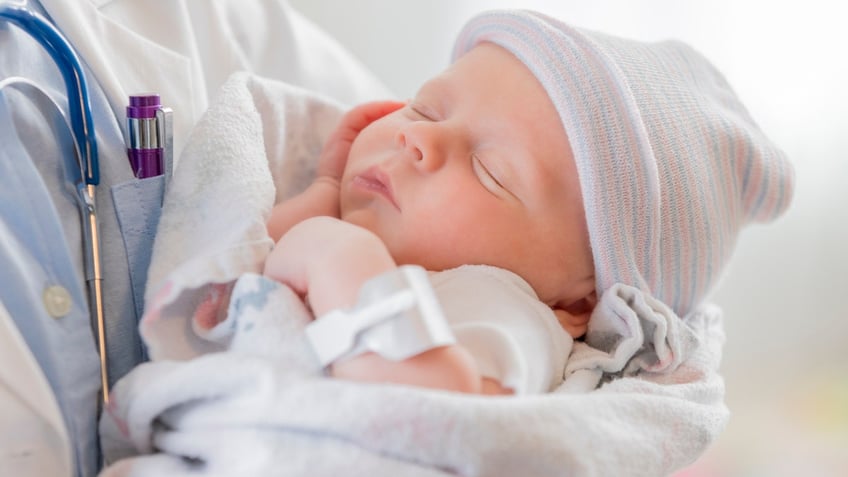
397	316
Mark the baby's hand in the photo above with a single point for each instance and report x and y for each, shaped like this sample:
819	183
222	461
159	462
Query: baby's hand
321	198
334	155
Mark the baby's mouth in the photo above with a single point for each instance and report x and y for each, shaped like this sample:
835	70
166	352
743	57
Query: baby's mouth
376	180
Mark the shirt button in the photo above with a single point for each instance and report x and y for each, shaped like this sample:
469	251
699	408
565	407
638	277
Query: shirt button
57	301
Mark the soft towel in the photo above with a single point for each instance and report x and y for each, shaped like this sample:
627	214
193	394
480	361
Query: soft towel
641	396
255	146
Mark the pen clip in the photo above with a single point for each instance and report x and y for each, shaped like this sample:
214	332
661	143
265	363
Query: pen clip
165	132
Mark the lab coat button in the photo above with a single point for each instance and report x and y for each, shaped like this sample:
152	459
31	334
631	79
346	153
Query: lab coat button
57	301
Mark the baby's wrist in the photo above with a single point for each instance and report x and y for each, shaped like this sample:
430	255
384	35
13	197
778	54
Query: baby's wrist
329	190
327	180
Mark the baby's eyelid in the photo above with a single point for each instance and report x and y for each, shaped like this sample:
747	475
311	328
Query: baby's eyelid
485	173
490	181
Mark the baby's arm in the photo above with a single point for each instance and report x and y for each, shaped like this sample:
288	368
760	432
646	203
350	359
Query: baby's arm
328	261
322	196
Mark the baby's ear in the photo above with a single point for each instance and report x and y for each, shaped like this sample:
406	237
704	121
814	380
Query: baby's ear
574	317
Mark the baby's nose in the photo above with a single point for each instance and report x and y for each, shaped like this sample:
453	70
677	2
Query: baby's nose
428	144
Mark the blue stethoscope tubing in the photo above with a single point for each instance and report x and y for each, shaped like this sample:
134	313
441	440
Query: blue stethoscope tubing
82	129
79	107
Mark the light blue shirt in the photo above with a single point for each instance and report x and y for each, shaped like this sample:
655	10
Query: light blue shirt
41	251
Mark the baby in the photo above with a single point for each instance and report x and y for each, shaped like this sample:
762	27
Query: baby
557	163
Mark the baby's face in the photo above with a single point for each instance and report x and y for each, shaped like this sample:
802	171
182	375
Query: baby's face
477	169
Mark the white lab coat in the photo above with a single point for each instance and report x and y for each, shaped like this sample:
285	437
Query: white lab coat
27	407
183	50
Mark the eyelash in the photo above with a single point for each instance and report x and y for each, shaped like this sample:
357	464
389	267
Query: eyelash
423	111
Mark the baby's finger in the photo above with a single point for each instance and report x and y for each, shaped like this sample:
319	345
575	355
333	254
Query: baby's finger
337	147
361	116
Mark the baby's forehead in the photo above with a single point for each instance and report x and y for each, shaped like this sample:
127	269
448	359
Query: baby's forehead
495	77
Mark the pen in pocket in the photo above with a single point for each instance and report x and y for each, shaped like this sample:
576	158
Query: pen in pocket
150	135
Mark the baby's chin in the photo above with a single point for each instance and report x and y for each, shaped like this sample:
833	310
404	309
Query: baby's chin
371	221
362	218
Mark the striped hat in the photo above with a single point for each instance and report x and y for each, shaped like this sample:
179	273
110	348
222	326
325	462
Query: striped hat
671	165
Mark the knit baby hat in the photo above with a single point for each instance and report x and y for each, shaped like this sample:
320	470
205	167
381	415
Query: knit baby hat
670	163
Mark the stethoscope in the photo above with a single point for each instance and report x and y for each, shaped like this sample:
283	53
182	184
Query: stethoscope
85	150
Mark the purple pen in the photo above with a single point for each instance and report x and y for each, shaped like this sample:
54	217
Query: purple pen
145	137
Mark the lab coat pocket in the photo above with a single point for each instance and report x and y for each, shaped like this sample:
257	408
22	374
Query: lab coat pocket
138	204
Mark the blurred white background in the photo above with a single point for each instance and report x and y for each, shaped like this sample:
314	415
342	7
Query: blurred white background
786	292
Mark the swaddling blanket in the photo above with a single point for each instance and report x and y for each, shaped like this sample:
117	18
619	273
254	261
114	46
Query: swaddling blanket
641	395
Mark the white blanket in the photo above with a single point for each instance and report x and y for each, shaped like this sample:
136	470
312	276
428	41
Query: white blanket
641	397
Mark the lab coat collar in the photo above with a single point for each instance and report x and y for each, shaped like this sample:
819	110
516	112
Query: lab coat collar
125	62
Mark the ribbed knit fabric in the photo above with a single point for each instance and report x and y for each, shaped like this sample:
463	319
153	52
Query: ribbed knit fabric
671	165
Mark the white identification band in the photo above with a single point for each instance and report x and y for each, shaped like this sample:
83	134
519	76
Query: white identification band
397	316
